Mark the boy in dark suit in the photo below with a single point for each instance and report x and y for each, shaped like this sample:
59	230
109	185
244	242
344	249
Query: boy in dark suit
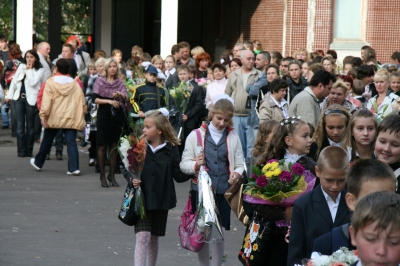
375	229
322	209
365	177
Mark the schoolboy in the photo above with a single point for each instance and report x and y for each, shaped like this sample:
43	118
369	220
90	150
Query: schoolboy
147	96
375	229
323	208
387	146
358	90
395	83
365	177
191	115
203	113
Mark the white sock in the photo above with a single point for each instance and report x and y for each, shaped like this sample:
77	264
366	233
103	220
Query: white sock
153	251
141	248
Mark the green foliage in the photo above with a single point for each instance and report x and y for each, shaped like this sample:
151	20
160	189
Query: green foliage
6	18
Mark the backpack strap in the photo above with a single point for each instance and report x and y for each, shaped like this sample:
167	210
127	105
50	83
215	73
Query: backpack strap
340	237
199	140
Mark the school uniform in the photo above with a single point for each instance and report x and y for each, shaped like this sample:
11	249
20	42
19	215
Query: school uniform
148	96
311	218
161	168
172	78
334	240
193	109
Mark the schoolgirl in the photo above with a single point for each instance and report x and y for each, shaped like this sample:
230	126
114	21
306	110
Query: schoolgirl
222	155
291	142
361	135
160	169
170	72
331	129
265	133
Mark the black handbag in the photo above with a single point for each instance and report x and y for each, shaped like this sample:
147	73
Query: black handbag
127	213
255	243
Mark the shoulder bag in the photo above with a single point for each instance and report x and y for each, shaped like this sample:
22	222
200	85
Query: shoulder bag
9	75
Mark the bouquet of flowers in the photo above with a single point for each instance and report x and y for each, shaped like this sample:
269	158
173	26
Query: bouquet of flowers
386	111
342	257
133	154
278	183
180	96
203	82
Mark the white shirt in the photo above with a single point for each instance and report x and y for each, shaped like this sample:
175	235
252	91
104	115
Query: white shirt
245	78
332	143
170	72
280	105
159	147
216	134
333	206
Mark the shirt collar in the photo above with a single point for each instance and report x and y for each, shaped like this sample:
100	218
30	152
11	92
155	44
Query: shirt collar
283	101
332	143
159	147
327	197
309	90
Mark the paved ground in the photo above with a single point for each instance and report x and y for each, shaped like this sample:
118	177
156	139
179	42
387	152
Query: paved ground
49	218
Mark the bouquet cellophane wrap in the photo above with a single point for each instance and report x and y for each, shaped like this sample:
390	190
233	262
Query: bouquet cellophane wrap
305	185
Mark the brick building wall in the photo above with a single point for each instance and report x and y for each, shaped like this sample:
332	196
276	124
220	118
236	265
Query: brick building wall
383	22
323	25
296	26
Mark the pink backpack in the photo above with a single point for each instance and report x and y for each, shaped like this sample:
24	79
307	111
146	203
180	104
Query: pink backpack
191	238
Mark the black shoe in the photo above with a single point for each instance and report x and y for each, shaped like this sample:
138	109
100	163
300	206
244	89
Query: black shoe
111	181
59	156
118	171
4	127
103	181
83	143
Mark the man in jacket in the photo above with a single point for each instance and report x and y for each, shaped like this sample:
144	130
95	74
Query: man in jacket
43	50
306	103
63	107
253	89
236	88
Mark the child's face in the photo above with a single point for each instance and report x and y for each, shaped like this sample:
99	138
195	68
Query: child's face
183	75
387	147
150	77
376	246
335	127
395	83
332	181
150	130
347	67
364	131
92	70
169	63
368	187
299	142
220	120
210	74
158	64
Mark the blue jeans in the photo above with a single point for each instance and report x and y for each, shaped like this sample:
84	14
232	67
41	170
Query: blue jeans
4	116
245	133
25	115
72	149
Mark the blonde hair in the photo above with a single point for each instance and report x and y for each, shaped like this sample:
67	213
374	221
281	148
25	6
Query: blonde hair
222	106
382	74
349	141
257	45
136	51
330	58
92	63
167	131
340	84
196	50
115	52
264	130
107	64
320	131
333	157
382	207
157	58
304	50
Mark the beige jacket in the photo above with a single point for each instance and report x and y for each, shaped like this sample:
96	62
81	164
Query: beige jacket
235	89
63	105
269	110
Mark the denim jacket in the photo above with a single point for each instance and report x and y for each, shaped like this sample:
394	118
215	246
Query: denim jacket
253	90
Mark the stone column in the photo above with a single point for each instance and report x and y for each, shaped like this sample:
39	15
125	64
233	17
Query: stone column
169	26
24	24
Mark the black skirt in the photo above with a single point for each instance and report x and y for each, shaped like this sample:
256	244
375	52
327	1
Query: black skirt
109	127
155	222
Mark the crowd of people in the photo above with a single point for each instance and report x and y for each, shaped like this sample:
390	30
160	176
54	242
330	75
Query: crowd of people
339	120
